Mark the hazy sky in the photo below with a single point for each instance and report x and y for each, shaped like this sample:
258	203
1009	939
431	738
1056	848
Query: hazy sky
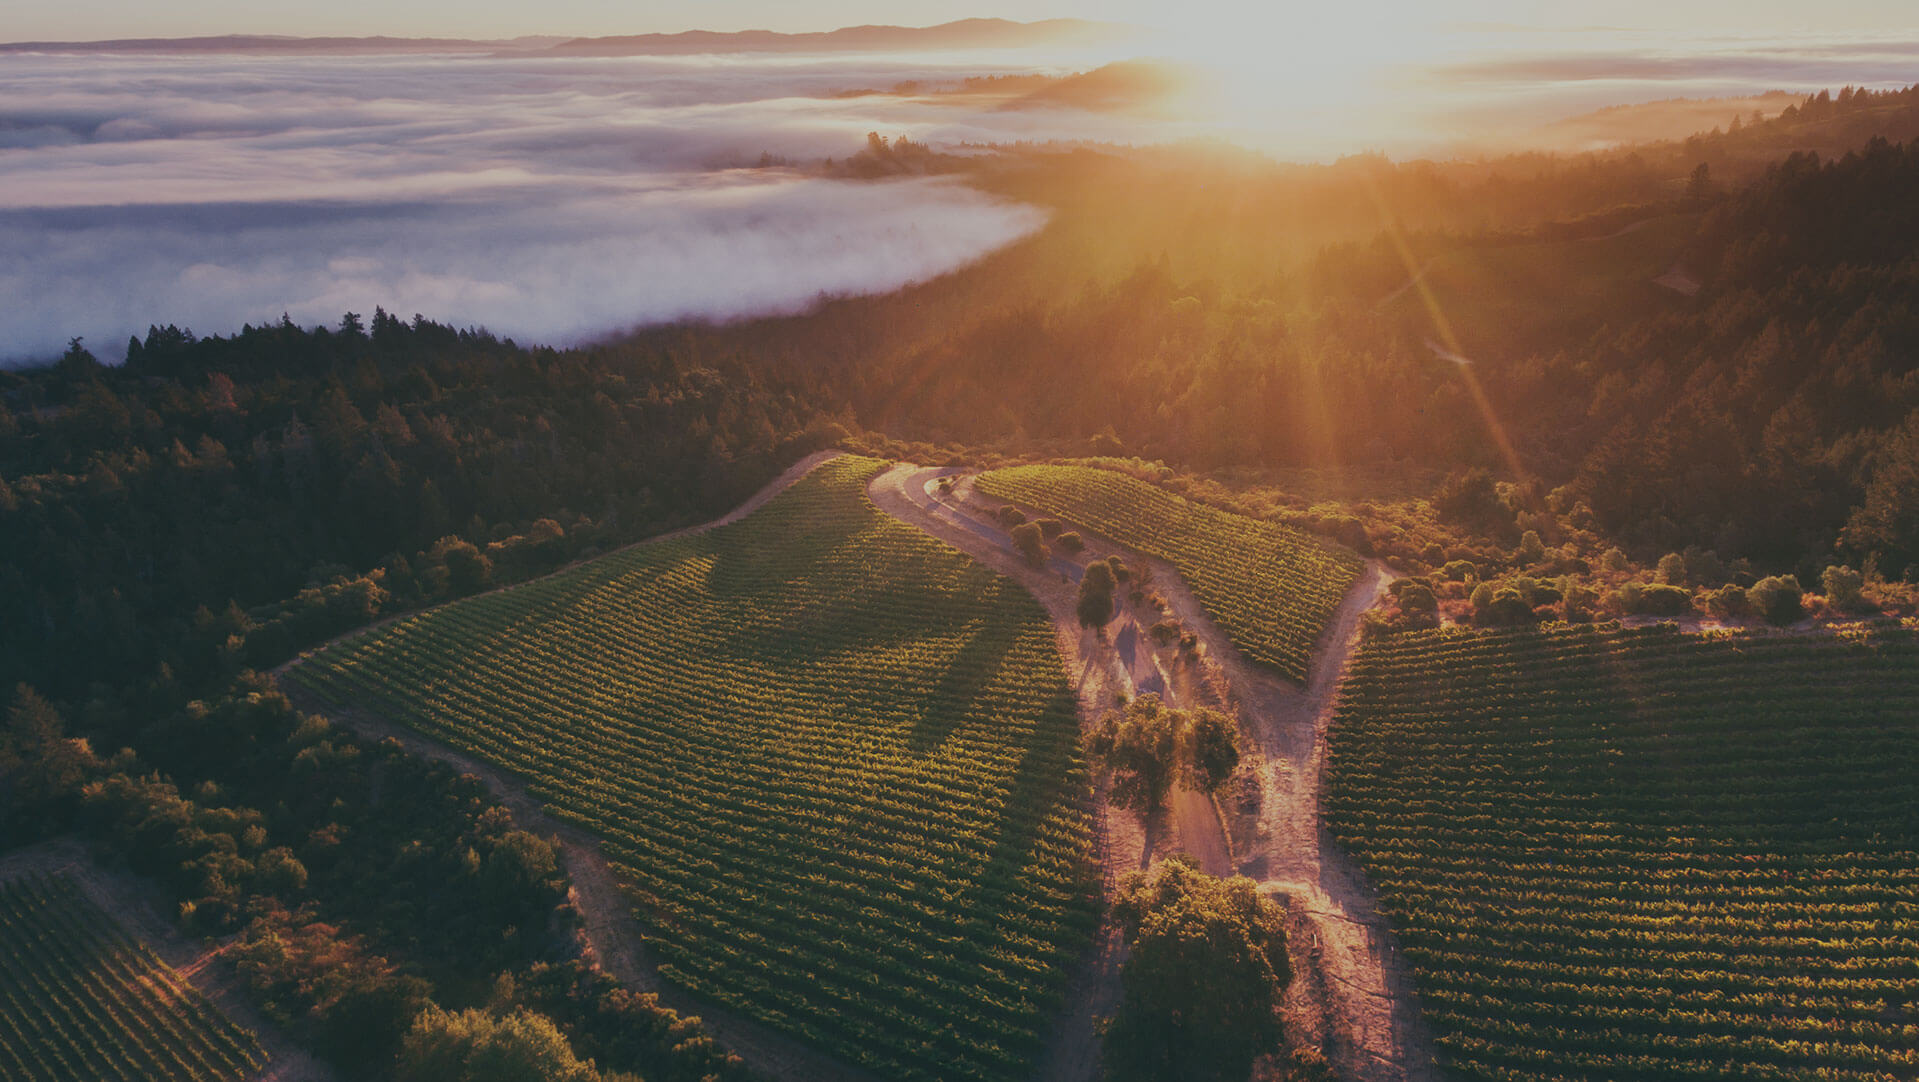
93	19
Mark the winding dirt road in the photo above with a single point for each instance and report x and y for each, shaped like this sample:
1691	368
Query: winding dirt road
1353	998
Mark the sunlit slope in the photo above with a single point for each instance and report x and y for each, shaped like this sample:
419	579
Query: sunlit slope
1641	855
80	1001
836	759
1272	588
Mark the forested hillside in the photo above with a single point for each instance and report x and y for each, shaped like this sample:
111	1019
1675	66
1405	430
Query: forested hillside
342	471
1763	415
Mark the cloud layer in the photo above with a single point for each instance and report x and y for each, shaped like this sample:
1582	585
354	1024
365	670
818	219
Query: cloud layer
557	200
549	200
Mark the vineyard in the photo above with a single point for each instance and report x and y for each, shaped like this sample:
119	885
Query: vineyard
1271	588
1619	854
82	1002
836	760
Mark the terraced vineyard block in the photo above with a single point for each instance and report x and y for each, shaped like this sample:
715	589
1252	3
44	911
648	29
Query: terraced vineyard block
1273	589
1618	854
81	1001
837	760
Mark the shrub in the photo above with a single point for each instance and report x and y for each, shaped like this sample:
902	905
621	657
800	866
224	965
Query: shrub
1661	599
1050	528
1026	538
1777	599
1010	516
1729	602
1460	570
1672	569
1531	548
1418	597
1070	542
472	1046
1095	605
1482	596
1506	608
1211	748
1844	588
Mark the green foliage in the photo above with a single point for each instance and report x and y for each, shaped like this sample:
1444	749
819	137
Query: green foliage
1500	606
1531	548
1271	588
1069	541
855	810
474	1046
1417	597
1141	746
1203	981
1210	748
468	571
283	460
1149	745
40	766
1729	602
1886	521
1472	498
1777	599
81	999
1030	543
1095	604
624	1030
1844	588
1672	569
1660	599
1641	853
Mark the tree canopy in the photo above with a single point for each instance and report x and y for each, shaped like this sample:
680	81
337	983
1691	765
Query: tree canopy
1203	983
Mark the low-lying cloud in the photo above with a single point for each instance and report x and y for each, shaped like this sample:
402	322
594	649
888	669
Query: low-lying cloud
549	200
562	199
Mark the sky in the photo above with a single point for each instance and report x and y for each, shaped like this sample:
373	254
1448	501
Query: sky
69	20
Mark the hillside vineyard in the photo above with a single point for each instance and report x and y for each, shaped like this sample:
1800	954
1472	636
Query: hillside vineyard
836	760
81	1001
1643	854
1272	588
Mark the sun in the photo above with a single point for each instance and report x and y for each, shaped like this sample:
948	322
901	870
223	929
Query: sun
1265	76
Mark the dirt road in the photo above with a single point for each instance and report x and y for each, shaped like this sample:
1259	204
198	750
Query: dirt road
1354	998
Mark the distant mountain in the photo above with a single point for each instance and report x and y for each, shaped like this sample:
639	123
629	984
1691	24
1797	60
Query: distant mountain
270	43
963	34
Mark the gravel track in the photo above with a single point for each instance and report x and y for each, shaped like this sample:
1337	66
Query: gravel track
1353	997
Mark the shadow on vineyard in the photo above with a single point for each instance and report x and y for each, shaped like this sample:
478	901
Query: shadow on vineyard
836	761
